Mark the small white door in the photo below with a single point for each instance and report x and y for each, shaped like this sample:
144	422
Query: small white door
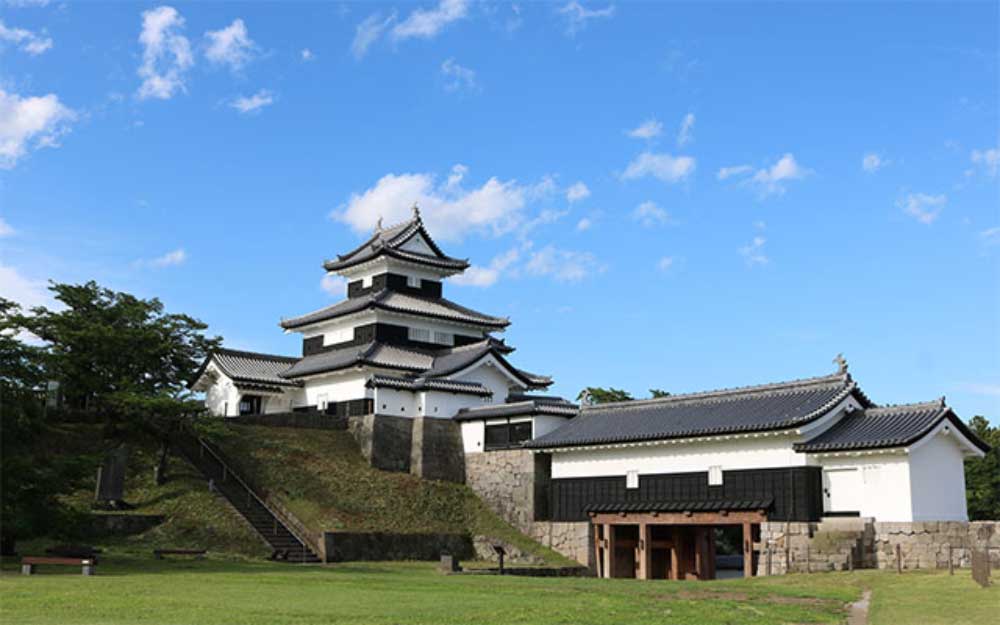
842	489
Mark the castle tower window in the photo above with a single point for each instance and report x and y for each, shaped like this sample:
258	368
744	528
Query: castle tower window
419	334
413	281
444	338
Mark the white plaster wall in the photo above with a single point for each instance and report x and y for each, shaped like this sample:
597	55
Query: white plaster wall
383	265
742	453
433	325
396	403
543	424
473	436
489	374
338	387
222	398
340	330
885	483
444	405
937	479
419	245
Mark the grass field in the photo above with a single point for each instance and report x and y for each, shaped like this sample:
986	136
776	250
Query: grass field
134	589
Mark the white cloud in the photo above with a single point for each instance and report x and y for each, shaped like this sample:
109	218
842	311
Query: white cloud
584	224
166	54
26	40
769	180
562	265
427	23
577	191
170	259
872	162
991	236
253	103
578	15
735	170
662	166
368	31
686	134
26	292
450	210
308	55
923	207
665	263
29	124
649	214
487	276
230	46
988	159
457	77
334	285
5	229
646	130
754	252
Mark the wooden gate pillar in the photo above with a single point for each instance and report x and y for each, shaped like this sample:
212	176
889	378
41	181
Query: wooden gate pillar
645	551
747	549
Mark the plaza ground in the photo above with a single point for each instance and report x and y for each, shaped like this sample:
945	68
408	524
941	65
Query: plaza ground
133	588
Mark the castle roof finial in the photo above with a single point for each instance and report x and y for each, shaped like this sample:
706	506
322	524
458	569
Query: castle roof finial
841	363
416	211
378	224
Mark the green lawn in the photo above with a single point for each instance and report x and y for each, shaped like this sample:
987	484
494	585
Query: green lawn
133	589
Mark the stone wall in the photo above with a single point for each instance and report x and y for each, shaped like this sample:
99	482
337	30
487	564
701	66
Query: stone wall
379	546
514	484
436	451
842	544
385	441
505	480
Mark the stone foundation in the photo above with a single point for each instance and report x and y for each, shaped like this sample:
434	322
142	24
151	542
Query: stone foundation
842	544
424	446
514	484
379	546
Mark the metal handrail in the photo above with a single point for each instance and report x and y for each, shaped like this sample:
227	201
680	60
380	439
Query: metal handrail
228	470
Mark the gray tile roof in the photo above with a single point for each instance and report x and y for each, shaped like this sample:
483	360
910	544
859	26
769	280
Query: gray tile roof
704	505
432	384
417	362
389	242
250	368
890	426
372	354
522	408
747	409
392	301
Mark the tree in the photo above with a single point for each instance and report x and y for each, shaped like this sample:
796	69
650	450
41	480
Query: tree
106	342
599	395
656	393
31	477
122	358
982	475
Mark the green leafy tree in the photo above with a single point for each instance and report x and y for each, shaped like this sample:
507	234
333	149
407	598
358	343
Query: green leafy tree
31	477
599	395
982	475
656	393
122	358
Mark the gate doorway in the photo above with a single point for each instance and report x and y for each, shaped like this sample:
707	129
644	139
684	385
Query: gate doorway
654	545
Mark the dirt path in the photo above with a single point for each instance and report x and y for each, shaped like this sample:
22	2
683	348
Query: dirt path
859	609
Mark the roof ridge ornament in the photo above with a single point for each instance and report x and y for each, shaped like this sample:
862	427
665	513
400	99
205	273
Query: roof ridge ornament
841	363
378	224
416	210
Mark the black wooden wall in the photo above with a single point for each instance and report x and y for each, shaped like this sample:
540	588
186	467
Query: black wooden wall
797	491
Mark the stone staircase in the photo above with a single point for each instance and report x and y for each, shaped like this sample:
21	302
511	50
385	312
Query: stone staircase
842	543
273	526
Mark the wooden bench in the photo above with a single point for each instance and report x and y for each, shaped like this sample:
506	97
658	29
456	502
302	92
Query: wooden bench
28	563
197	553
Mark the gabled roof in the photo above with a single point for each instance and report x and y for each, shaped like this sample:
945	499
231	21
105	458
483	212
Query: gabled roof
250	369
890	426
416	362
393	301
390	242
553	406
748	409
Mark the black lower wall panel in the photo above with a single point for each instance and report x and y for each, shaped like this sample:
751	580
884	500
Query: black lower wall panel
796	491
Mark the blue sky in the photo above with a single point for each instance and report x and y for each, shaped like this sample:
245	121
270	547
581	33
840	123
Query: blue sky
680	196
